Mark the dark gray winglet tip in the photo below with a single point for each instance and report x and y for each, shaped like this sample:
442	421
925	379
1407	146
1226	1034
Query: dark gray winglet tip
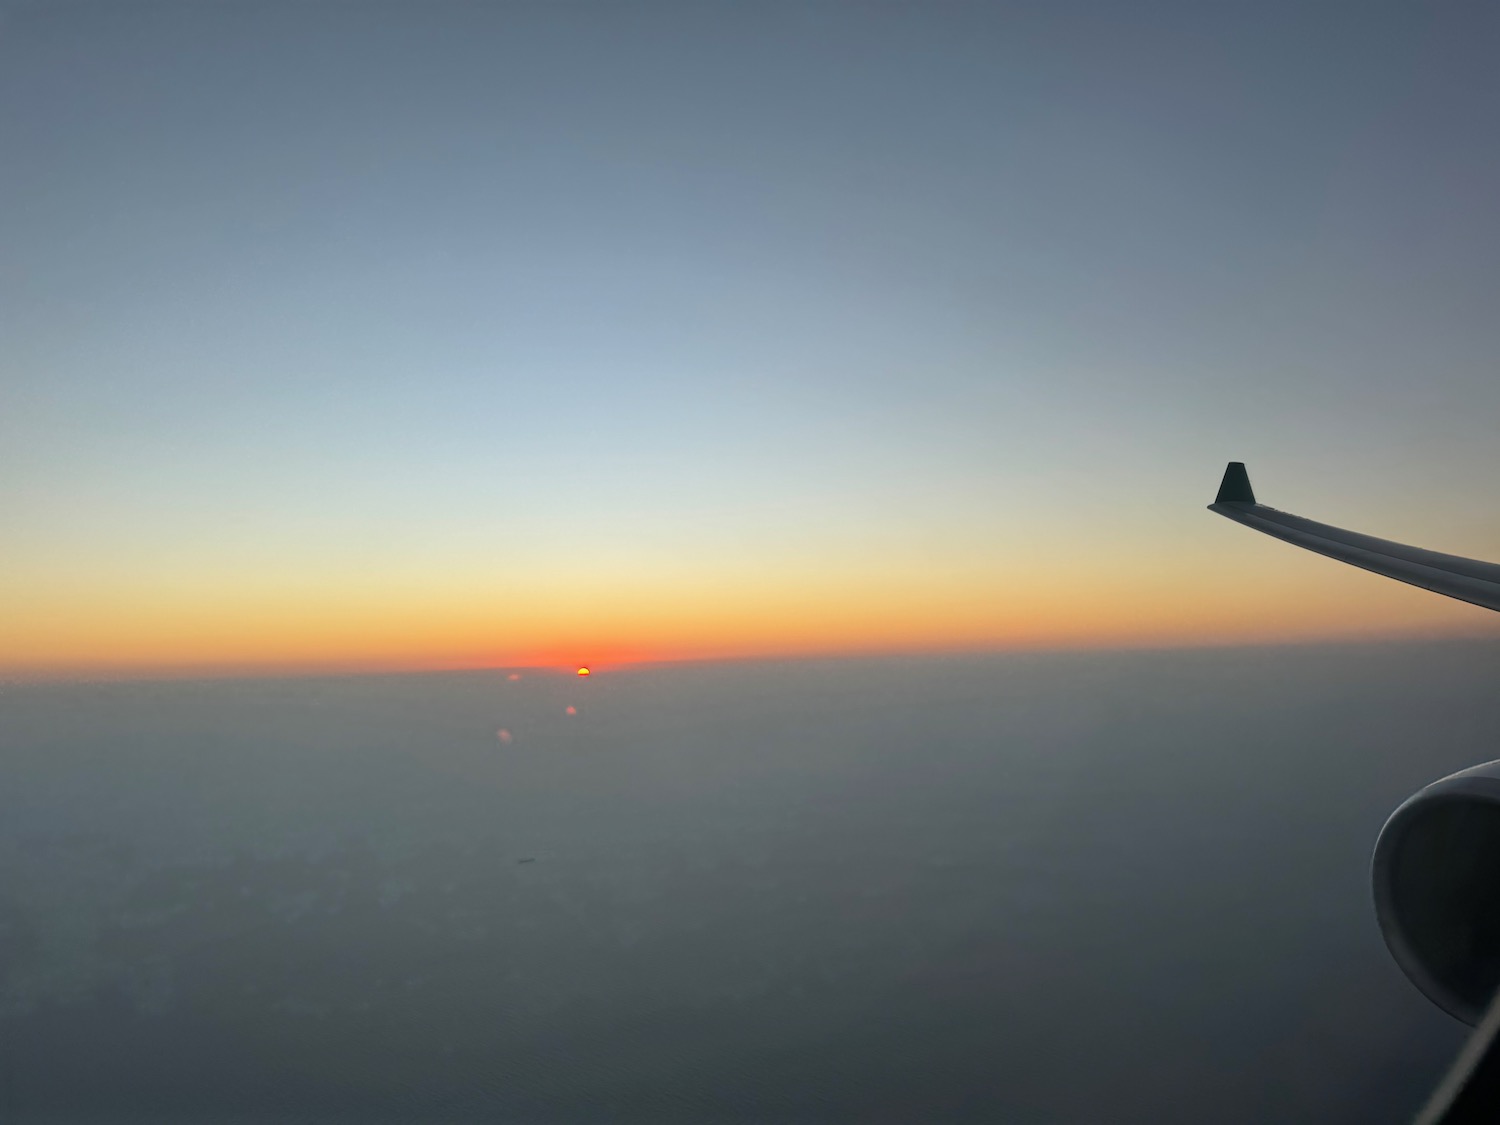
1235	487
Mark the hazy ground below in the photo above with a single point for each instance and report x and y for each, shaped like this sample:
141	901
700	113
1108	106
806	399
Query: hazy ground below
1041	888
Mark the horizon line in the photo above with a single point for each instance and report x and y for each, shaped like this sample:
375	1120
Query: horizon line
333	669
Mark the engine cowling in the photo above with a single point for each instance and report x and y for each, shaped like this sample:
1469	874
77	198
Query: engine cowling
1436	875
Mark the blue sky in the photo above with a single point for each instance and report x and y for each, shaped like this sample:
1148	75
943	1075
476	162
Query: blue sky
300	287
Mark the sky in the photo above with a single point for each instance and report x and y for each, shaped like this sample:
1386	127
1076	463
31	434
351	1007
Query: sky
377	335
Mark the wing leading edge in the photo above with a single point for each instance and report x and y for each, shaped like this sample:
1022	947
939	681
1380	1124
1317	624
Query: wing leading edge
1468	580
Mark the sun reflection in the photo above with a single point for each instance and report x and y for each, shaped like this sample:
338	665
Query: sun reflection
572	710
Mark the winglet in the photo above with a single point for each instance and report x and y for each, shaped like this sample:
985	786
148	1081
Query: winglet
1235	487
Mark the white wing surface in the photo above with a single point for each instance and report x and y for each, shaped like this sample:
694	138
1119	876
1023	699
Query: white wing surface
1468	580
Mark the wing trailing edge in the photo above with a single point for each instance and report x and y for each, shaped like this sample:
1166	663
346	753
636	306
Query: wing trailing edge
1468	580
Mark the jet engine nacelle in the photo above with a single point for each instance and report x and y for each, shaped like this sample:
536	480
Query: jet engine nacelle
1436	873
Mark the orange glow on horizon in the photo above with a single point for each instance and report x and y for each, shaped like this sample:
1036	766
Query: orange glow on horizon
167	628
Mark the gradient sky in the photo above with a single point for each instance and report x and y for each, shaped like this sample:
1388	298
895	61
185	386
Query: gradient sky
437	334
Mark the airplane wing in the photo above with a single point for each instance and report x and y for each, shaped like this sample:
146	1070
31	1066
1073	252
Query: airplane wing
1470	1092
1468	580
